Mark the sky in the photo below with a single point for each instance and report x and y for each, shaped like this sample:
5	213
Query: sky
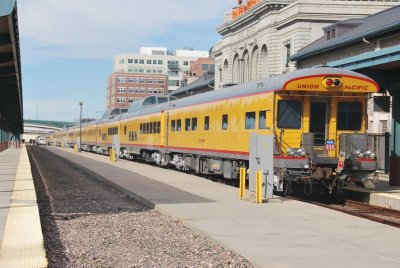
67	47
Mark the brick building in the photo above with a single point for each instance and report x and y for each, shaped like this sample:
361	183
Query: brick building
124	88
202	65
198	68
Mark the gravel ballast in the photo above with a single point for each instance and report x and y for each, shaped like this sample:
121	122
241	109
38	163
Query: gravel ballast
88	223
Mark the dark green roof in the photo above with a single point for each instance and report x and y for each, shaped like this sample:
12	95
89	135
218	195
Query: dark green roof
384	22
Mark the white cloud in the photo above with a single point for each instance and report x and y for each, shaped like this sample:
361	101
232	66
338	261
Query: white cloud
102	28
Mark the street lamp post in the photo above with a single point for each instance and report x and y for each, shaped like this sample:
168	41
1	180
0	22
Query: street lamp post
80	127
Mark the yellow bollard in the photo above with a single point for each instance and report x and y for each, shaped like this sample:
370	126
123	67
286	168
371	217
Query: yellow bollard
242	183
75	148
112	155
259	186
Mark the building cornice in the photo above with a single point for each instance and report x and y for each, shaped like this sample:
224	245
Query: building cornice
252	15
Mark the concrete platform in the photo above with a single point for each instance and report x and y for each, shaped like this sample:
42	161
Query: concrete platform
383	195
20	231
281	234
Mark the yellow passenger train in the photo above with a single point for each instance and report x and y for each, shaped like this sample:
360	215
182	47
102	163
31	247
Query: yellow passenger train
317	117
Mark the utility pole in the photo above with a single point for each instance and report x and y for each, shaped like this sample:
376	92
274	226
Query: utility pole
80	127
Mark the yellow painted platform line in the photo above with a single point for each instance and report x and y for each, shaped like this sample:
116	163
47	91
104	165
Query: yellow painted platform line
22	244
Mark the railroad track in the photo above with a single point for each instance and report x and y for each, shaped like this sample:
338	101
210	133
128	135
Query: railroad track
379	214
374	213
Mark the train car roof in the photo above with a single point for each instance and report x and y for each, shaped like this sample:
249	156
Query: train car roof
266	84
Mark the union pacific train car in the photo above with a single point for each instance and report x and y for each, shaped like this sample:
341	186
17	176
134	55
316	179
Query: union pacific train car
317	117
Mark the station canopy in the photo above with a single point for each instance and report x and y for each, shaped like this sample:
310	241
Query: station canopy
11	108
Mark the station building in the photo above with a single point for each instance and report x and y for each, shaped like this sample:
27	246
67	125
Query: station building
160	61
260	36
11	109
371	46
376	34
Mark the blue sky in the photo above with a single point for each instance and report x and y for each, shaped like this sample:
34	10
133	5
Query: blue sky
67	47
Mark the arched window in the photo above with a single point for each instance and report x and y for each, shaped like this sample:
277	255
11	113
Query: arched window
225	71
245	67
264	56
254	64
235	69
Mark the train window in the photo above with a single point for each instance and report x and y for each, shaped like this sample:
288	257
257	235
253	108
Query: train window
262	120
173	126
158	128
349	116
206	123
149	101
224	122
124	130
289	114
194	123
187	124
152	127
250	120
141	128
178	125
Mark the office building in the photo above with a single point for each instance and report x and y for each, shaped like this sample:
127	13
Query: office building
159	61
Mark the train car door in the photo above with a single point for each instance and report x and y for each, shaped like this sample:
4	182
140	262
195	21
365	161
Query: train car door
319	123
